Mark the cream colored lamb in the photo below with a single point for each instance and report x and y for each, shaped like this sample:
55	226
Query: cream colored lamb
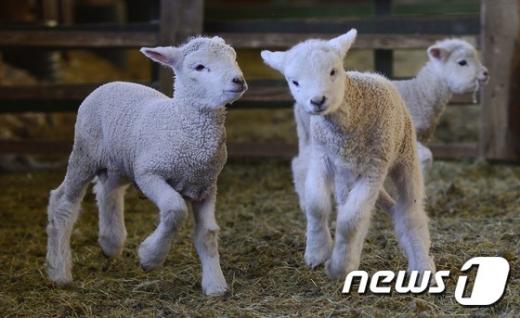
172	149
360	134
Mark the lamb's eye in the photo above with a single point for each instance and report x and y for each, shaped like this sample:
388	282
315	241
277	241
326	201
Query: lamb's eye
295	83
333	72
463	62
199	67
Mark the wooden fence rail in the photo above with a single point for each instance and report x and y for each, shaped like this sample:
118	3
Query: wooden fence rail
181	18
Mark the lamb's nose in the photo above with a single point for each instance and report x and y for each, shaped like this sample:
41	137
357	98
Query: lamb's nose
239	80
318	101
484	75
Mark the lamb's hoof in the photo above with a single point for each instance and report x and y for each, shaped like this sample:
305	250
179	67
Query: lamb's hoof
335	272
149	265
426	264
318	249
421	272
110	247
59	278
315	259
214	288
149	258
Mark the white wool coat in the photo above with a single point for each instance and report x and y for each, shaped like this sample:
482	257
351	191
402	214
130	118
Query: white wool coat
131	129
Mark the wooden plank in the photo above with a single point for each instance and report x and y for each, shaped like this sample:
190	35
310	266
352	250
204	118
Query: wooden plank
47	97
222	10
456	25
44	98
77	39
236	150
454	151
500	116
225	11
46	92
178	20
131	39
256	150
364	41
35	146
383	58
137	37
436	7
257	92
464	99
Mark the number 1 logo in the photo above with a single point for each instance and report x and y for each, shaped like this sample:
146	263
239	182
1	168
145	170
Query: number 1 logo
490	281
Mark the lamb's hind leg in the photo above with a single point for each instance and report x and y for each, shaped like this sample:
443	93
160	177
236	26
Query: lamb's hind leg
410	219
205	239
63	210
173	211
426	158
110	192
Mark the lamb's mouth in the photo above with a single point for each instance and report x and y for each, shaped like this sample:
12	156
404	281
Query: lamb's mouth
234	91
317	112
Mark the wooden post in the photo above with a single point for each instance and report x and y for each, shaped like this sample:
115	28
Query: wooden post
500	115
67	11
50	12
1	69
179	19
383	58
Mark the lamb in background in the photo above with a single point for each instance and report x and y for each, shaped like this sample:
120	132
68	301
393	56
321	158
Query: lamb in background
453	68
173	149
360	134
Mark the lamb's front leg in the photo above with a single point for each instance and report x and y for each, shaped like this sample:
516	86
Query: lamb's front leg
173	211
318	205
205	239
299	171
351	227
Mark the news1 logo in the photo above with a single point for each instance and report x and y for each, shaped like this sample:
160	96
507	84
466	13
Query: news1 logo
488	286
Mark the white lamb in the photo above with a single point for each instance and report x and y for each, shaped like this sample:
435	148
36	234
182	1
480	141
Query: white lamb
360	133
453	68
172	149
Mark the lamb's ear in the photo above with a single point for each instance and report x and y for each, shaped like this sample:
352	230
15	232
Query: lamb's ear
218	39
343	42
166	55
275	60
437	53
